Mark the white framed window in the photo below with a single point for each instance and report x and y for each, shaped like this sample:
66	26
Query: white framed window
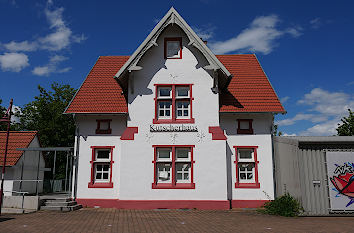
246	167
173	167
101	170
182	109
165	110
173	48
164	92
182	92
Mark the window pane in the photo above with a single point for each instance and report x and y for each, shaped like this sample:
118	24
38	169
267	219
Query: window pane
98	176
182	91
164	153
185	113
103	154
164	171
242	176
105	176
244	125
182	153
104	125
249	176
245	153
179	112
99	167
173	49
168	113
183	170
165	91
105	167
182	109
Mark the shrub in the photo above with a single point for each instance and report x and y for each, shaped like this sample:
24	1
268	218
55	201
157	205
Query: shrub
285	205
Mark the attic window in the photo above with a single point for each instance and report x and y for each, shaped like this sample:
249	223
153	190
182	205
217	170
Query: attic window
104	126
173	48
244	126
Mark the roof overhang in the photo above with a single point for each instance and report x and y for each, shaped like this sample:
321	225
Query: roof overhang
172	17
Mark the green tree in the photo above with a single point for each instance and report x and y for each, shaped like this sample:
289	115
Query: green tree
347	126
55	129
45	114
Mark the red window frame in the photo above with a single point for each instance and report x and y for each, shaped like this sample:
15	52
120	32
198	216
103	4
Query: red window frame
92	183
245	131
173	184
180	46
173	120
247	185
103	131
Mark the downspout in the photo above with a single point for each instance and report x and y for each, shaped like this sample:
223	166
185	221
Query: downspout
76	158
273	158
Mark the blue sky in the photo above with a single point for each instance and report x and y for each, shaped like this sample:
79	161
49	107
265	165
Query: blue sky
305	47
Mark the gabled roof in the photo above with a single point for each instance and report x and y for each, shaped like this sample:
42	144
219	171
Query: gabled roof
172	17
249	89
100	92
17	139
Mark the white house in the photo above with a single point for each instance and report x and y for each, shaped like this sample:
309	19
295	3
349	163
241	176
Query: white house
23	169
174	126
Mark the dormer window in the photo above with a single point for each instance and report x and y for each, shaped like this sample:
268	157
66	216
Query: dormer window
173	103
173	48
104	126
244	126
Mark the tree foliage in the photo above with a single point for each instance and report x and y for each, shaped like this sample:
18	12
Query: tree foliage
285	205
347	126
45	114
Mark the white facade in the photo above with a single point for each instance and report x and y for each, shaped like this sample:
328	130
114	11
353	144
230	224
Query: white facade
133	183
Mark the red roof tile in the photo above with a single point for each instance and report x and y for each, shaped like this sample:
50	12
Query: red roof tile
249	89
17	139
100	92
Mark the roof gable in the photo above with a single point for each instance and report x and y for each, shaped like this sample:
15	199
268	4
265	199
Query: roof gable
172	17
249	89
17	139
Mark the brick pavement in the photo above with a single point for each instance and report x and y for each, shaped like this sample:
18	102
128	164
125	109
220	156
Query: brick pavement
113	220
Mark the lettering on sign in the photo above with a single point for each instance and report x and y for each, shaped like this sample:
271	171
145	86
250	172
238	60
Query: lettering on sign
173	128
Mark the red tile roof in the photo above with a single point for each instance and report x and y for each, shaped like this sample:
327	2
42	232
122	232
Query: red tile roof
17	139
248	91
100	92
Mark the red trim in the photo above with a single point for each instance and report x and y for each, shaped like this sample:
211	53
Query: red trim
245	131
92	183
103	131
256	184
155	204
128	133
180	46
248	203
173	100
217	133
173	184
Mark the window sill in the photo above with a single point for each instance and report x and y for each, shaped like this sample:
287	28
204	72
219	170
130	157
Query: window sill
100	131
247	185
244	131
100	185
176	186
177	121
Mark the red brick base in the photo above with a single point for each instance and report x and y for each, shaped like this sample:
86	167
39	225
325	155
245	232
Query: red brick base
154	204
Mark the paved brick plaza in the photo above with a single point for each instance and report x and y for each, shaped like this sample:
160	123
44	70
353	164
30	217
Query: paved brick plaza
113	220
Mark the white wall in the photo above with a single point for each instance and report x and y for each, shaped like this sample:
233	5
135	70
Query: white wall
88	138
133	170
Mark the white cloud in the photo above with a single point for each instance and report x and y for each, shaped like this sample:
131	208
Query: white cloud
60	38
284	99
260	36
325	110
205	32
316	23
51	67
285	134
25	46
14	62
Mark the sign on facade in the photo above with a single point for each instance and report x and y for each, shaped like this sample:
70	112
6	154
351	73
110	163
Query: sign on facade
173	128
340	171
